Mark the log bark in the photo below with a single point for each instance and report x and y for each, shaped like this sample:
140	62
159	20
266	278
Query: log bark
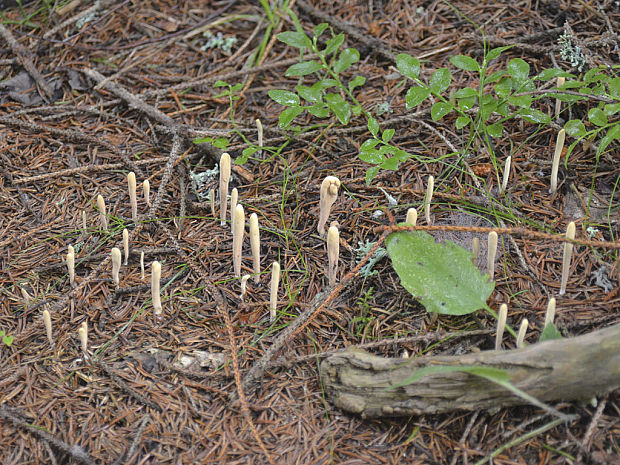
561	369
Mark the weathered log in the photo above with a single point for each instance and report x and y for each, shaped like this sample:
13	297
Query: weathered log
561	369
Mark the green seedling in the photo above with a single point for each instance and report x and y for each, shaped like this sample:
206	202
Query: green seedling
6	339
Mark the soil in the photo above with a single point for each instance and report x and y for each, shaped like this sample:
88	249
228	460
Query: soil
91	92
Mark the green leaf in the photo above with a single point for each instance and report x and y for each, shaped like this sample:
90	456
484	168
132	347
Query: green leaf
246	153
415	96
611	109
303	69
440	80
487	106
518	69
309	94
326	84
373	126
284	97
333	44
550	332
357	81
441	276
534	116
494	53
496	76
440	109
597	116
371	173
390	164
523	101
614	87
295	39
462	121
220	143
219	83
346	59
408	66
8	340
369	144
503	87
548	74
575	128
339	107
288	115
465	62
320	29
466	92
320	110
372	156
612	134
495	130
387	135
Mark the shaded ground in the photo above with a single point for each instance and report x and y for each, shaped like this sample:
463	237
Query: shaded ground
67	136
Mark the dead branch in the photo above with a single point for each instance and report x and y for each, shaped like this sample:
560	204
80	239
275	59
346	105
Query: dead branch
562	369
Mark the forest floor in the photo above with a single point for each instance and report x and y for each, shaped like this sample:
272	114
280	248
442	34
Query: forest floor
92	91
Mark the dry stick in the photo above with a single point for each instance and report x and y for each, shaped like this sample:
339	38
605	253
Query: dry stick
22	55
97	5
72	136
124	458
86	169
9	415
126	388
223	310
303	320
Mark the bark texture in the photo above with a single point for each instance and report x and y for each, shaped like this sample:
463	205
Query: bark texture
562	369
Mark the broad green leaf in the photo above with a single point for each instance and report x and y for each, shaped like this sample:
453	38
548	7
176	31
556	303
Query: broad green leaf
503	87
548	74
295	39
597	116
284	97
518	69
288	115
390	164
339	107
614	87
550	332
309	94
440	109
462	121
466	104
357	81
408	66
220	143
440	80
373	126
320	29
369	144
333	44
465	62
466	92
441	276
220	84
534	116
495	130
372	156
326	84
8	340
371	173
496	76
612	134
415	96
387	135
346	59
496	52
488	106
320	110
303	69
611	109
575	128
523	101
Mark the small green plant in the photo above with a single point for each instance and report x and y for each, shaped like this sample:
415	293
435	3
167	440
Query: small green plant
360	323
6	339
